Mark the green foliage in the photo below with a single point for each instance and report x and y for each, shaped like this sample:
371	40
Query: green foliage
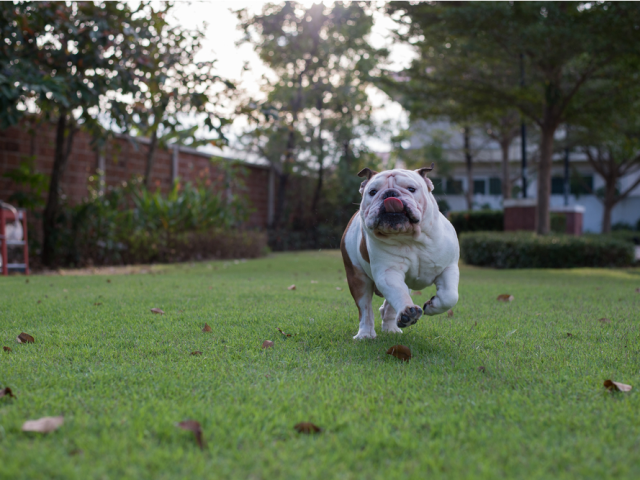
527	250
558	222
477	220
32	185
131	224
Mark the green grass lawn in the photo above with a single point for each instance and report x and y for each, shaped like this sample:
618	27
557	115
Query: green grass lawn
123	377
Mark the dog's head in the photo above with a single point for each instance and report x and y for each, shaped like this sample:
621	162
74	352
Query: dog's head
395	202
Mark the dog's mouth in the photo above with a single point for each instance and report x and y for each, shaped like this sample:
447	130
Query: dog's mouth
395	208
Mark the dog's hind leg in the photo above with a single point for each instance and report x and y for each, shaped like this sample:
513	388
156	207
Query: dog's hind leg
388	315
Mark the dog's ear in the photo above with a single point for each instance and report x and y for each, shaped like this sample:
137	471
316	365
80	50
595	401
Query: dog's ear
368	173
423	173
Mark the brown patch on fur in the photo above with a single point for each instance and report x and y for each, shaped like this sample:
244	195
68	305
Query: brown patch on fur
355	277
376	291
363	248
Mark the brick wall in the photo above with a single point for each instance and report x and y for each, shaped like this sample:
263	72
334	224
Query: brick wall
123	158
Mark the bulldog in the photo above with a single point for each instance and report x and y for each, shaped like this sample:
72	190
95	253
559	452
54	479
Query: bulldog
398	241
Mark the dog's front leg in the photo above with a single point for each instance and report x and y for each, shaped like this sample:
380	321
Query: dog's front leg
446	291
391	284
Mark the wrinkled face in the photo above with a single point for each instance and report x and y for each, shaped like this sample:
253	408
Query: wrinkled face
394	202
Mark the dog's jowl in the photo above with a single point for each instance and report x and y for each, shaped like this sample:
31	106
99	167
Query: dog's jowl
398	241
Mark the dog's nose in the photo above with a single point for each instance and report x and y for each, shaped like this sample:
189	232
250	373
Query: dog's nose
390	193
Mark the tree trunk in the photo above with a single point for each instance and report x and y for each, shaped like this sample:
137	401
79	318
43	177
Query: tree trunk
469	162
544	180
608	203
283	179
150	159
506	175
64	144
316	196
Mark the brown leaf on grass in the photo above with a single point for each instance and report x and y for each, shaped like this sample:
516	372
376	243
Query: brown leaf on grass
207	328
26	281
307	427
25	338
604	320
76	451
157	310
6	349
505	297
338	288
285	334
292	287
450	313
97	304
197	352
193	426
43	425
569	334
267	344
617	387
637	290
39	301
108	280
482	369
401	352
417	292
6	391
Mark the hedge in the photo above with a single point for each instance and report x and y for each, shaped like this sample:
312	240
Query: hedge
528	250
477	220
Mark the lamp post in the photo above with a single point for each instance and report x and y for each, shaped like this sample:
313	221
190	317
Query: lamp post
523	135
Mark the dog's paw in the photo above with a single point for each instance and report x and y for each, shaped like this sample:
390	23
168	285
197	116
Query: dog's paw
365	334
391	327
409	316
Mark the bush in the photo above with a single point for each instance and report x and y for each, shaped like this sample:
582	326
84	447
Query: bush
528	250
622	235
477	220
130	224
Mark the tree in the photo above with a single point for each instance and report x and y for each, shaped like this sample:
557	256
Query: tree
86	55
176	89
318	106
564	48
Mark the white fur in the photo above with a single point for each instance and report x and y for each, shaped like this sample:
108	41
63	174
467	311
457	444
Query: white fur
420	255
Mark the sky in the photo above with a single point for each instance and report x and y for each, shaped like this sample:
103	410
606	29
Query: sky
222	34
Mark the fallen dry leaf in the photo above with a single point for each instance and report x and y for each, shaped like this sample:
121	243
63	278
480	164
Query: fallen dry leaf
207	328
637	290
39	301
307	427
401	352
267	344
450	313
292	287
505	297
617	387
76	451
569	334
338	288
197	352
604	320
6	391
25	338
6	349
43	425
26	281
193	426
97	304
285	334
108	280
481	369
417	292
157	310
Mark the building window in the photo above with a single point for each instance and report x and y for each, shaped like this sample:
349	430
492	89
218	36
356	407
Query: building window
557	186
454	187
495	186
479	187
437	186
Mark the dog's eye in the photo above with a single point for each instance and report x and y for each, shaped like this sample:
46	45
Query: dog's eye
373	192
411	189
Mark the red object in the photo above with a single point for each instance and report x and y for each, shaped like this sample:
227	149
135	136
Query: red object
393	205
7	216
520	214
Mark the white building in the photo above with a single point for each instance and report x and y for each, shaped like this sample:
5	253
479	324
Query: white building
487	175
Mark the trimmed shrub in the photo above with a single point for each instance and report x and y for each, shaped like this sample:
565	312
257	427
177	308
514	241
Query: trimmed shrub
528	250
477	221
